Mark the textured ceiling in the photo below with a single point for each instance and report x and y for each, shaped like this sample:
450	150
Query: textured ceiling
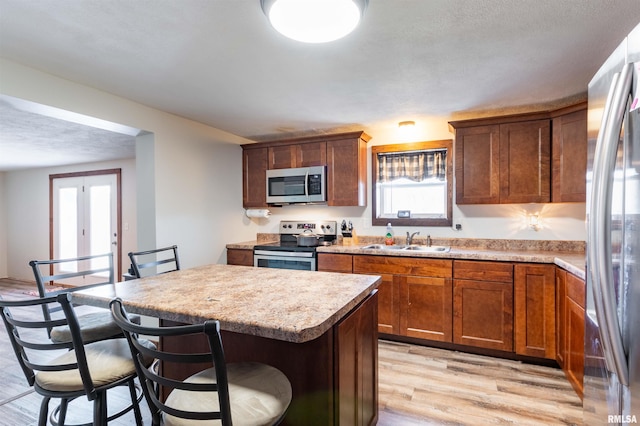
47	138
220	63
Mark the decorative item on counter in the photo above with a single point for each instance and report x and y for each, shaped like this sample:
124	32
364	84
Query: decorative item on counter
388	239
348	234
258	213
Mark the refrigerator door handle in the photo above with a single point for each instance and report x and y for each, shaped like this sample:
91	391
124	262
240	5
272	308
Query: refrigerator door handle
594	230
605	258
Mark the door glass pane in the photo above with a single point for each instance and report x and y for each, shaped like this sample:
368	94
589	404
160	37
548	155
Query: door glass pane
100	219
68	223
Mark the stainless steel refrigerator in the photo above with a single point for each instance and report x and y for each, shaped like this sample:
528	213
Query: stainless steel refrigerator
612	320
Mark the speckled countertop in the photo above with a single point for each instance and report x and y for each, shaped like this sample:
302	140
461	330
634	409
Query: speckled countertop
294	306
569	255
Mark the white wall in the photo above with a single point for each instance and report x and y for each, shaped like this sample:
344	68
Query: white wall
197	176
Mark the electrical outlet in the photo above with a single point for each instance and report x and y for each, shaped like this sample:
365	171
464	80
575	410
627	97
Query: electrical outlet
458	227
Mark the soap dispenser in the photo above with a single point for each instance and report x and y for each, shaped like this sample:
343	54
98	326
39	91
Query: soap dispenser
388	239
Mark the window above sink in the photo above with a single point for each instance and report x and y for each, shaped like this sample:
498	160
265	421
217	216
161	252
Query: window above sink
412	183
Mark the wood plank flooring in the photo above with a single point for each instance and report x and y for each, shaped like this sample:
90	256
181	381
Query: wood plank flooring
417	386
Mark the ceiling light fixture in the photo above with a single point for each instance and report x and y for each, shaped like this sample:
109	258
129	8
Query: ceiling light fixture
314	21
406	124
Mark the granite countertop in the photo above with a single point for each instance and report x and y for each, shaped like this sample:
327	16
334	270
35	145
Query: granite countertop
573	262
244	299
568	255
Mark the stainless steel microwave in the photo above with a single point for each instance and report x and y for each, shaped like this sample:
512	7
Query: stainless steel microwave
299	185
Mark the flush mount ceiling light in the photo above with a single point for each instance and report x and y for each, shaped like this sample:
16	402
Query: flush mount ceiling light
314	21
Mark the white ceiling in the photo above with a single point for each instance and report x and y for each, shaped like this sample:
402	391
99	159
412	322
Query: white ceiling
220	63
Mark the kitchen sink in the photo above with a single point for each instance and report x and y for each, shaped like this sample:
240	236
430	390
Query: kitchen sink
417	248
383	247
429	249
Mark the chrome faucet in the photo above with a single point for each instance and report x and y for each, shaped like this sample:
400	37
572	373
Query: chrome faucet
410	237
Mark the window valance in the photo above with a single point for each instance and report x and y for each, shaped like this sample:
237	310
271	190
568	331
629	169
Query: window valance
416	166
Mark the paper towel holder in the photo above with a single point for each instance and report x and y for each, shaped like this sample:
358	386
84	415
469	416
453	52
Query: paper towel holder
257	213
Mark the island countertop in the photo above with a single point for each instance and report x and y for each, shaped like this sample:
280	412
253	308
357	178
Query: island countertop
294	306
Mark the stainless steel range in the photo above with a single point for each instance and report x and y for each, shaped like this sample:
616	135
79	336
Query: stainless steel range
297	246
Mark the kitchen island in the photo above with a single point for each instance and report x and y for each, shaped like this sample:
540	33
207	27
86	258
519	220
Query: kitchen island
319	328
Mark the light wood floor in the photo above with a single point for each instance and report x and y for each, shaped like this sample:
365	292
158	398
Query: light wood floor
417	386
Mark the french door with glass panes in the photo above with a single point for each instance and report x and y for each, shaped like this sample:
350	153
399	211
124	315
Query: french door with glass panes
84	219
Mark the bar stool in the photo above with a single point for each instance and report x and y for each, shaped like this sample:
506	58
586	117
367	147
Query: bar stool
68	370
161	260
98	269
246	393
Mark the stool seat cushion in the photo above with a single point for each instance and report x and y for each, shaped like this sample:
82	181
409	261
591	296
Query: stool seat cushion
259	394
108	361
93	326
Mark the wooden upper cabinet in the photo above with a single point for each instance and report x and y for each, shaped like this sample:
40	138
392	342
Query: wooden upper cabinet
525	162
525	158
347	171
500	163
477	155
299	155
569	156
281	157
344	154
311	154
254	177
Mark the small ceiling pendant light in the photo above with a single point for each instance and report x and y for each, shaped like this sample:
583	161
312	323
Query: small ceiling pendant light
314	21
406	124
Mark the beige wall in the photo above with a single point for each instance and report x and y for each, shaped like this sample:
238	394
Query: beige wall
27	196
563	221
3	228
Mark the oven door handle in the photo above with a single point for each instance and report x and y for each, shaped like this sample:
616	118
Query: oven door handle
268	254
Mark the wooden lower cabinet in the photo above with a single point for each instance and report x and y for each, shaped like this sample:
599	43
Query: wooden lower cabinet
574	318
535	310
240	257
483	304
332	262
561	289
334	378
388	305
426	307
356	348
414	296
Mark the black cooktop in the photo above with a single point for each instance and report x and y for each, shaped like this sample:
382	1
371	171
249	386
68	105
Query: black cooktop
284	246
